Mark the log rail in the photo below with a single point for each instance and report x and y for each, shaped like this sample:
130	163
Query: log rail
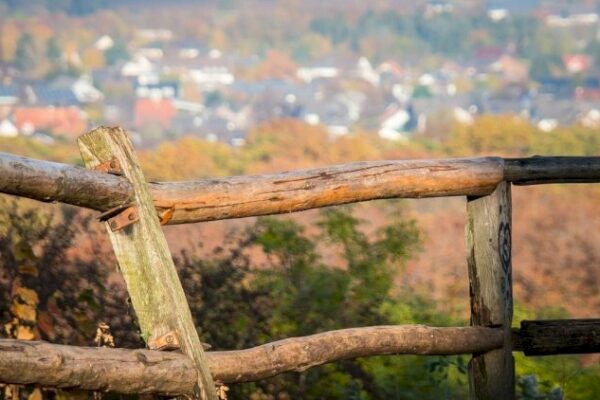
172	373
115	184
245	196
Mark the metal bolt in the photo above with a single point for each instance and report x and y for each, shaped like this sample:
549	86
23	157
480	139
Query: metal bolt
114	224
169	339
131	216
113	164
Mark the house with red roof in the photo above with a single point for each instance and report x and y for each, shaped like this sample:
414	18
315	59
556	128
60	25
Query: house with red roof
154	111
577	63
67	121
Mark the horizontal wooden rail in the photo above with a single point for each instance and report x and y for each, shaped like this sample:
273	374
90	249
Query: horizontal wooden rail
561	336
170	373
53	182
244	196
542	170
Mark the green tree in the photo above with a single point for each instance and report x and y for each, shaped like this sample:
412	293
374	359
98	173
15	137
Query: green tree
336	28
297	293
25	52
54	52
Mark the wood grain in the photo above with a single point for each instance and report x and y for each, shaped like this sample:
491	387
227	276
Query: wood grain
244	196
540	170
171	373
561	336
305	189
54	182
144	257
488	231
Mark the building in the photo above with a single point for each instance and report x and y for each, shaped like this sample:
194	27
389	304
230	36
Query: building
8	129
152	112
65	121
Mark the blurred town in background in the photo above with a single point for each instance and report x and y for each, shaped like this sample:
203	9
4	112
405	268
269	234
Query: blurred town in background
214	70
240	87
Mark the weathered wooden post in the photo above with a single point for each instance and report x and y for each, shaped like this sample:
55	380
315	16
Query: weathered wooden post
491	374
144	257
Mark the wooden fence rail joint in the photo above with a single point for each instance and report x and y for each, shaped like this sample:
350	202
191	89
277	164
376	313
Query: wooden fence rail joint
120	217
167	342
113	167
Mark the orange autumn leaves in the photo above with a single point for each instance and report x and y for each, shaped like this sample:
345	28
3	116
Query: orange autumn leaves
272	146
24	309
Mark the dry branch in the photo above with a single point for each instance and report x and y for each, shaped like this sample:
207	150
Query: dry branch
146	371
244	196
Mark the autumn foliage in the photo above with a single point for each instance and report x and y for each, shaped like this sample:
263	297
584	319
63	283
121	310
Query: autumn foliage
59	281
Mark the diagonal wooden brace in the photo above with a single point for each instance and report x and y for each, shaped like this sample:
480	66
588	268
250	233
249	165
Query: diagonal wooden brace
143	255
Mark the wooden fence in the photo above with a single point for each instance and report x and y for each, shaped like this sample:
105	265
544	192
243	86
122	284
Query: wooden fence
113	184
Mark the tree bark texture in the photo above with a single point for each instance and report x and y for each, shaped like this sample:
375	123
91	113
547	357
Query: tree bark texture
491	374
244	196
172	373
561	336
